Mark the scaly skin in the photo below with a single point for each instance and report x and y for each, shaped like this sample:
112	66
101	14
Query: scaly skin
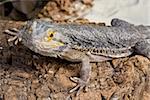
85	43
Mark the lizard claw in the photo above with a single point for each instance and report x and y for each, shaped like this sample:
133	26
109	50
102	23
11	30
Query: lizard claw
14	33
81	84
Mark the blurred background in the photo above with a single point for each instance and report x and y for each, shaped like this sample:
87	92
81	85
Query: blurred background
57	10
134	11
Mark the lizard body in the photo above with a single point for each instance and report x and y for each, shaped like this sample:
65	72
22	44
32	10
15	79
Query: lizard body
85	43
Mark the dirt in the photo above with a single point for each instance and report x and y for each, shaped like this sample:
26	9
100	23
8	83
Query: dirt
25	75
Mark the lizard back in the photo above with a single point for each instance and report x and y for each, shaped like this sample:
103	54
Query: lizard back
99	40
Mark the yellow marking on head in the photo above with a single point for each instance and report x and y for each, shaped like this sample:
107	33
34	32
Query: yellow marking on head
60	44
51	32
57	44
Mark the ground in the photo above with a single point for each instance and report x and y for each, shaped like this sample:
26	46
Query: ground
25	75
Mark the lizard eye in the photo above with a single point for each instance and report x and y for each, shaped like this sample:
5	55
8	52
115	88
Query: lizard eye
49	35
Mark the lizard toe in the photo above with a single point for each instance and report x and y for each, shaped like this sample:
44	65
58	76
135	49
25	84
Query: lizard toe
80	85
14	33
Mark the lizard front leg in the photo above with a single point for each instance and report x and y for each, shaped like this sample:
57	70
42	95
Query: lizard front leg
78	56
84	76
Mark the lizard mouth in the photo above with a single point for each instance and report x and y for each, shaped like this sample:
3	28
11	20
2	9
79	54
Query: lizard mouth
45	46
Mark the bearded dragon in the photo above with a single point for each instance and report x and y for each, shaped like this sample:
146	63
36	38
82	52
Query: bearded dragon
84	43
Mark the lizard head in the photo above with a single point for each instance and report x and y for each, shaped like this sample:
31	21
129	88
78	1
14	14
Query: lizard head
42	37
